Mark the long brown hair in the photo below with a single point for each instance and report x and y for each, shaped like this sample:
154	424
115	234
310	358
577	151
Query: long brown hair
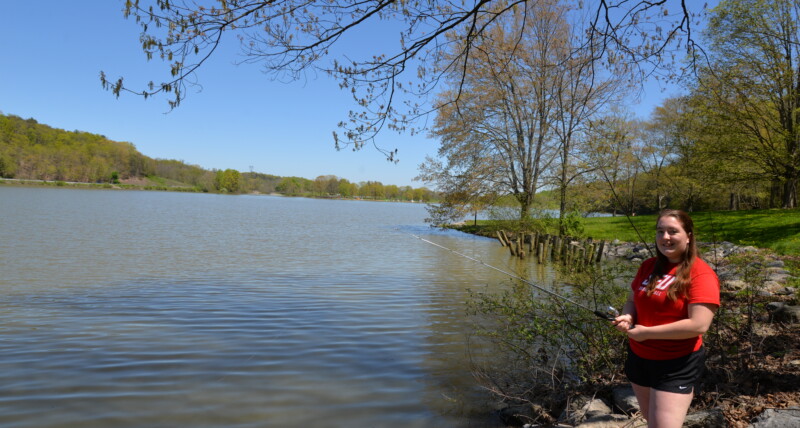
683	273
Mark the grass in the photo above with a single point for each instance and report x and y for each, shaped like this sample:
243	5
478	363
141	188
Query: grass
775	229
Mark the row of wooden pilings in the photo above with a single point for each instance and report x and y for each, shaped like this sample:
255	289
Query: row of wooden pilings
570	251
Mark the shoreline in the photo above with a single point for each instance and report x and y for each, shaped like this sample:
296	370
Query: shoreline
178	189
754	352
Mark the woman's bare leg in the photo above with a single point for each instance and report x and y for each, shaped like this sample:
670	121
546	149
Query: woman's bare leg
667	409
643	397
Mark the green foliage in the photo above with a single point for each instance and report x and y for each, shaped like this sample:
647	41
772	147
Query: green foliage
228	181
552	346
573	224
32	151
294	186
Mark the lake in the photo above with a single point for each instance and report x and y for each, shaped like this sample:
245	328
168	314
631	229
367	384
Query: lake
134	308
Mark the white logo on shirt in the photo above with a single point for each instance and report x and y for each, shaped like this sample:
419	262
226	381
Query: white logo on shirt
663	284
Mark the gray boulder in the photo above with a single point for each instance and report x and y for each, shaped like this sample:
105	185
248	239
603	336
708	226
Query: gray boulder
778	418
781	312
625	400
583	408
711	418
606	421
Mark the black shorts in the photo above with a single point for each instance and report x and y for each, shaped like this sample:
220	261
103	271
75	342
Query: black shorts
680	375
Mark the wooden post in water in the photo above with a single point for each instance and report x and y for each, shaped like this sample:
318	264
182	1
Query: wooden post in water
500	238
590	249
557	248
512	246
600	251
540	251
546	249
573	255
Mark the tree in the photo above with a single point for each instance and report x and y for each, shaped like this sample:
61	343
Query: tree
610	154
752	88
499	138
294	185
290	37
228	181
581	90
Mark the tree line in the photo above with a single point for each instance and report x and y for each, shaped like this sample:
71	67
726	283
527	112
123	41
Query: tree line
33	151
537	112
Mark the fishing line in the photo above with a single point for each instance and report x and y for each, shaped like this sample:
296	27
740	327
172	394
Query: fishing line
609	315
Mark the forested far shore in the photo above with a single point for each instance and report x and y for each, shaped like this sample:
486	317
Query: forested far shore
33	151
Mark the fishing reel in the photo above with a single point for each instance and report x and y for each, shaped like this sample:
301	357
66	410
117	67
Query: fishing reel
610	313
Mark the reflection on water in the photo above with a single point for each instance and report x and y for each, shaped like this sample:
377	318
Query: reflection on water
164	309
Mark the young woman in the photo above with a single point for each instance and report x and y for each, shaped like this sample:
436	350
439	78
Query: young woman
672	302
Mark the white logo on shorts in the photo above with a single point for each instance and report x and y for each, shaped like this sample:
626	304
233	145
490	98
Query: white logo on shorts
682	387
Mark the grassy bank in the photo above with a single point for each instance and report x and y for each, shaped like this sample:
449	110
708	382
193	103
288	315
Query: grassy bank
145	184
776	229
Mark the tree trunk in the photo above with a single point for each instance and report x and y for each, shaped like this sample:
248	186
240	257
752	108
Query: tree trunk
562	228
790	192
774	194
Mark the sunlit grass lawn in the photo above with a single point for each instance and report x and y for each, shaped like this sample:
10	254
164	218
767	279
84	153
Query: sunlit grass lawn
775	229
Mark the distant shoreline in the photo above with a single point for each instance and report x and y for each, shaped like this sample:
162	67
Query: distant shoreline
180	189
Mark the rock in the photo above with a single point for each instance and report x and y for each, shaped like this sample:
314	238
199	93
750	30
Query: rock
778	277
726	274
606	421
583	408
735	284
785	291
514	416
711	418
778	418
775	263
781	312
625	400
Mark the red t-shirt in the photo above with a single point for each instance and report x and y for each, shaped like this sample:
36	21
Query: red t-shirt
658	309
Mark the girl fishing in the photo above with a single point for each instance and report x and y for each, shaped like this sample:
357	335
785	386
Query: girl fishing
672	302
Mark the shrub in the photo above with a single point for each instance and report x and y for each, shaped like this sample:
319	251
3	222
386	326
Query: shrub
551	348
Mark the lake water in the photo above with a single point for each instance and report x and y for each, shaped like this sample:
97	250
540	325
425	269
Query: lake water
134	309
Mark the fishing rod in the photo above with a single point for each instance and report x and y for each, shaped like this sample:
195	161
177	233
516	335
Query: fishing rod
610	313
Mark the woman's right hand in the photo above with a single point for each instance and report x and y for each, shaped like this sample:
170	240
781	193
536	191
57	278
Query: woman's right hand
623	322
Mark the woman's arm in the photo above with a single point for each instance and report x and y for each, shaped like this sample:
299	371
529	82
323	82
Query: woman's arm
626	321
700	317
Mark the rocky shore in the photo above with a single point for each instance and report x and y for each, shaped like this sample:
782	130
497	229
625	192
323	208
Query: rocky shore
766	394
770	273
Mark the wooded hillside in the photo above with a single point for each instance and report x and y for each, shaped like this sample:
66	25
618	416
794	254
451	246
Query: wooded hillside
33	151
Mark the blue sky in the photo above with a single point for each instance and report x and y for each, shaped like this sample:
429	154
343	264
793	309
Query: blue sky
53	51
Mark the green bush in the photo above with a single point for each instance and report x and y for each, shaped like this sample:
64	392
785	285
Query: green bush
551	348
